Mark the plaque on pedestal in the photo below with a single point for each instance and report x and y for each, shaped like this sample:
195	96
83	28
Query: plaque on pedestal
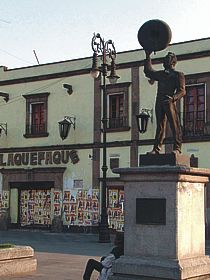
164	159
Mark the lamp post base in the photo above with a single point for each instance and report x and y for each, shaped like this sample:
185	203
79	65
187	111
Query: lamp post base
104	233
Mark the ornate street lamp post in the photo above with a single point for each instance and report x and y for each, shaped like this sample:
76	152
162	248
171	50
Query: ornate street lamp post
106	50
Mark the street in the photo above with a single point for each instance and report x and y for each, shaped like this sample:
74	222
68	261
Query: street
60	256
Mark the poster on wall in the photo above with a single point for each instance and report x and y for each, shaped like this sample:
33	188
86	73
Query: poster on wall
66	206
116	209
4	200
95	207
57	200
73	208
87	218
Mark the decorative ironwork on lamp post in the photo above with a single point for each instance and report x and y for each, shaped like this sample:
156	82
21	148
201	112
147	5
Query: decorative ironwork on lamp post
107	51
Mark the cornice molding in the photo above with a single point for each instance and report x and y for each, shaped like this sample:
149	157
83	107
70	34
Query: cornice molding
137	63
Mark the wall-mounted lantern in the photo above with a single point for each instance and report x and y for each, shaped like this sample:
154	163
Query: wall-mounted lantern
143	118
65	125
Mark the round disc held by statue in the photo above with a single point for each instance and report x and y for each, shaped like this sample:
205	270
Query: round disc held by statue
154	35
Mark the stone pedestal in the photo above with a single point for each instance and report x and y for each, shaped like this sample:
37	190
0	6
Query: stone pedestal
16	260
164	224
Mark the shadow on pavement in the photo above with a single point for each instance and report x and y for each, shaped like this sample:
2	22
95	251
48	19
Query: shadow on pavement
85	244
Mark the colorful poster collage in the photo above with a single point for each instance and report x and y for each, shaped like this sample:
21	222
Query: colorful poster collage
4	200
75	207
80	207
116	209
35	207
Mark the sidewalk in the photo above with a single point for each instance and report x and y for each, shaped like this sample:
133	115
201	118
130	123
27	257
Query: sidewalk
60	256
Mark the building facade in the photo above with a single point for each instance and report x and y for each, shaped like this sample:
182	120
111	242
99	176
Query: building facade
43	176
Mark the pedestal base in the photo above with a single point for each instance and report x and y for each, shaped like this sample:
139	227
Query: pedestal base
143	268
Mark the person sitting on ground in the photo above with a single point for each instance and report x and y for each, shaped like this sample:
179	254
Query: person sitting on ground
105	265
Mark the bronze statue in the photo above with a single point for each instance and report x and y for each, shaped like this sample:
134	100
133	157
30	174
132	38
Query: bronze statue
155	35
171	87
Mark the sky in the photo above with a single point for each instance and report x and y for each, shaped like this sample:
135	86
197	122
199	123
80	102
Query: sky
59	30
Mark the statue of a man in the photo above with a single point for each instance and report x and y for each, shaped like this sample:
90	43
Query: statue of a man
171	87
